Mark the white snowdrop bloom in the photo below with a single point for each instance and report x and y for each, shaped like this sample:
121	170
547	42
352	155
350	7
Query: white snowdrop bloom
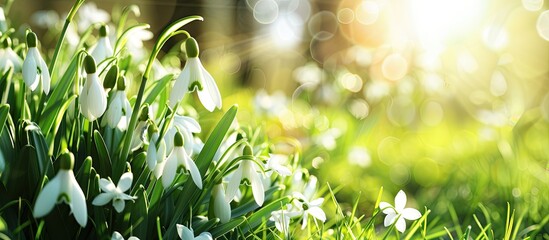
115	193
63	188
194	77
156	154
8	57
119	111
247	172
102	49
93	99
89	14
34	68
135	43
186	126
3	24
281	218
219	206
398	213
117	236
309	207
276	163
177	161
186	233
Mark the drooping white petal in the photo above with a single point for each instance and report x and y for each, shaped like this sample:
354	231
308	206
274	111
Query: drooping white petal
97	97
389	219
187	123
386	207
234	183
114	111
44	72
125	181
400	201
117	236
317	202
211	87
30	74
78	202
400	225
106	185
47	198
181	86
305	221
411	214
318	213
159	169
102	199
102	50
184	232
151	155
170	170
118	205
83	101
257	186
310	187
125	119
206	99
133	238
195	174
204	236
222	208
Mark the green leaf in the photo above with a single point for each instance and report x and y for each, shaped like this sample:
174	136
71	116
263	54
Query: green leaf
225	228
83	175
203	224
36	139
104	161
4	111
140	214
159	86
190	191
245	208
264	213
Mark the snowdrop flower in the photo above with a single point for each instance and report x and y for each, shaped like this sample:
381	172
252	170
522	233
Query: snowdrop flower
179	159
188	234
309	208
398	213
155	154
63	188
120	111
102	49
135	43
219	206
93	99
90	14
281	218
9	57
186	126
3	24
276	163
34	67
248	173
117	236
115	193
195	77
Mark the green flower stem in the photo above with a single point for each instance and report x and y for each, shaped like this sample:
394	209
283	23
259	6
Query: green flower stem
169	32
124	15
68	20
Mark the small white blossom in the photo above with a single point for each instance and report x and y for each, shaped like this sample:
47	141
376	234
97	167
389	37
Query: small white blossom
221	207
34	67
186	126
188	234
247	172
63	188
8	57
194	77
179	159
398	213
156	154
115	193
119	111
117	236
93	99
276	162
309	207
102	49
281	218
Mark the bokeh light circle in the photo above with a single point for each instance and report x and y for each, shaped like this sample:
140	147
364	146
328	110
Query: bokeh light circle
265	11
394	67
345	15
323	25
532	5
543	25
367	12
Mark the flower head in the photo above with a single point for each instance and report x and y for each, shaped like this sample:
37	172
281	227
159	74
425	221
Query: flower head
178	160
35	69
63	188
276	163
115	193
248	173
186	126
8	57
398	213
195	77
93	99
219	206
308	206
186	233
119	111
102	49
156	154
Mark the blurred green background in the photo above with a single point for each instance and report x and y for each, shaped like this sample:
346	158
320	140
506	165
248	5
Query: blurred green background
448	100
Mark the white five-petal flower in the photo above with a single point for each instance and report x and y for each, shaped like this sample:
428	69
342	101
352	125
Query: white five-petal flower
195	77
102	49
117	236
63	188
35	69
93	99
247	172
398	213
119	111
219	206
178	160
115	193
186	233
307	208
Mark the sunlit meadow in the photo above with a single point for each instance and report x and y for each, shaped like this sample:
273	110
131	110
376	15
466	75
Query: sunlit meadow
274	119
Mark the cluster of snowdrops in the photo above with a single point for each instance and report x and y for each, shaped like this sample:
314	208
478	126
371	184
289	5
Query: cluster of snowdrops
79	159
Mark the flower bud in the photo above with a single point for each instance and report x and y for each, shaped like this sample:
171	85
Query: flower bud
191	46
89	64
